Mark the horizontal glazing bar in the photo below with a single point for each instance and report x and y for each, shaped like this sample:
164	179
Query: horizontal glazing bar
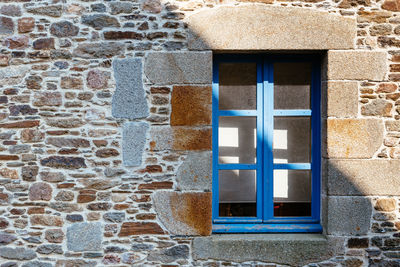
266	228
293	166
237	220
237	113
292	112
237	166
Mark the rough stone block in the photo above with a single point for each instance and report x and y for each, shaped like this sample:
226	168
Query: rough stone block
342	99
353	138
12	75
196	172
178	67
133	141
84	237
228	28
184	213
287	249
191	105
129	99
363	177
356	65
180	138
348	215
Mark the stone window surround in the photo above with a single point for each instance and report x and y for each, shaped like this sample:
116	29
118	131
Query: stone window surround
293	29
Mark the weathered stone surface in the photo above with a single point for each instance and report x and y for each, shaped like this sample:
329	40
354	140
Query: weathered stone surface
191	105
356	65
65	123
290	249
68	142
11	10
50	10
64	29
26	25
270	27
37	264
179	138
31	136
29	173
43	43
339	211
6	239
54	235
377	107
140	228
68	82
16	42
385	204
97	79
18	149
133	141
196	172
12	75
115	217
48	249
121	7
6	26
184	213
16	110
64	162
47	99
40	191
363	178
46	220
353	138
129	98
17	253
170	254
84	237
152	6
178	67
52	177
65	207
392	5
107	152
64	195
99	21
119	35
98	50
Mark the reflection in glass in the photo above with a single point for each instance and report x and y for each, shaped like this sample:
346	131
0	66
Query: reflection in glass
237	86
292	85
237	139
292	139
292	193
237	193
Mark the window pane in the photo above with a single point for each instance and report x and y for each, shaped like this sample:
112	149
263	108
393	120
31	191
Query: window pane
292	85
292	139
237	193
237	140
292	193
237	86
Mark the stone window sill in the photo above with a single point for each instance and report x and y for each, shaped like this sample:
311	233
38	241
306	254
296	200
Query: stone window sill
291	249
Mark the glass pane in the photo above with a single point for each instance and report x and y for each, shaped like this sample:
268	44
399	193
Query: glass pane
292	140
237	139
237	86
292	85
237	193
292	193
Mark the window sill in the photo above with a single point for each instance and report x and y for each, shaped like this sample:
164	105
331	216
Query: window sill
290	249
266	228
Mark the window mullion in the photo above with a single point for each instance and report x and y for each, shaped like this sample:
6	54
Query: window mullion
268	138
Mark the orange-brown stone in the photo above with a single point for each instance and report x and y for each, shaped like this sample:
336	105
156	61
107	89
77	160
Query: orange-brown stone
46	220
184	213
140	228
191	139
191	105
392	5
156	185
20	124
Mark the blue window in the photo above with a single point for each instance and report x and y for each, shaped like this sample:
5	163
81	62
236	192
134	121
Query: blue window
266	143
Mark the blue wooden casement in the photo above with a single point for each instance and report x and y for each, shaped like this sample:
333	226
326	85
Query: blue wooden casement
265	221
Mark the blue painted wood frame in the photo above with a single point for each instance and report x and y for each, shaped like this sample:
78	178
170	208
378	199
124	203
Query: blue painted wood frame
265	113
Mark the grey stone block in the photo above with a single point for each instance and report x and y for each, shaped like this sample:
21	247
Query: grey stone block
290	249
363	177
84	237
133	141
348	215
129	99
17	253
196	172
179	67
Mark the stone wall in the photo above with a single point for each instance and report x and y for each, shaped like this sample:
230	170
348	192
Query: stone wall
105	128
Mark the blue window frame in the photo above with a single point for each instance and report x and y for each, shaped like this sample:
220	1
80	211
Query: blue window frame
256	107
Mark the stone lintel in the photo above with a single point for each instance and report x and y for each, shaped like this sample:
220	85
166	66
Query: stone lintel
261	27
290	249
